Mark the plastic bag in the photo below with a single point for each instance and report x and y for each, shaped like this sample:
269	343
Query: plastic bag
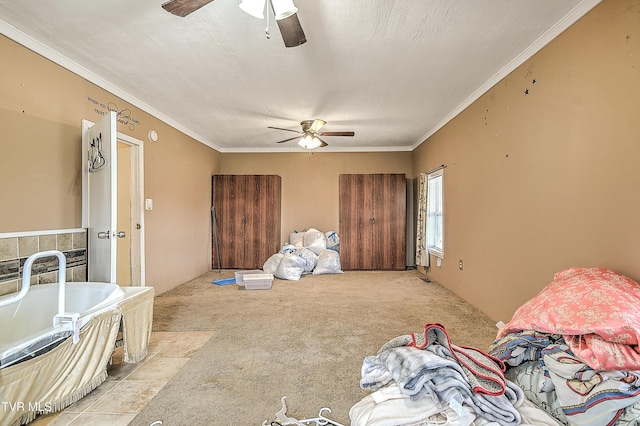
315	240
310	259
272	263
328	263
297	239
288	248
333	241
291	267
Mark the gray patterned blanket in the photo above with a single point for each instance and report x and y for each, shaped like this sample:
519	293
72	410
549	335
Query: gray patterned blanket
430	364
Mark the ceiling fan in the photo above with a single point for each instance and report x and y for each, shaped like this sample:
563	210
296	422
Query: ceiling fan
311	134
284	10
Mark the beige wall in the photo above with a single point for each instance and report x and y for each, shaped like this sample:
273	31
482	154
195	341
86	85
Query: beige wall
41	108
542	181
178	178
310	182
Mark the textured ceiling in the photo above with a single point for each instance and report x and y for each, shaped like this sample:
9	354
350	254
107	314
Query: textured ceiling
393	71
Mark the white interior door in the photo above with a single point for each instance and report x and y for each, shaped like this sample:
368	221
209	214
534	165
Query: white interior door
130	251
124	257
112	196
101	166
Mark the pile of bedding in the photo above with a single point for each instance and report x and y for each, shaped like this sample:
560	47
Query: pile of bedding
424	379
307	252
573	348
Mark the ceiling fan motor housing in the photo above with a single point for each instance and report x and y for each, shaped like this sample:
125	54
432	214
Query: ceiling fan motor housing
312	125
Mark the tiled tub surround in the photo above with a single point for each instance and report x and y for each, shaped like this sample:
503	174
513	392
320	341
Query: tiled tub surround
14	251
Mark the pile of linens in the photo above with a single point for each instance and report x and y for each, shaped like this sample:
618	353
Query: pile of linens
573	348
307	252
424	379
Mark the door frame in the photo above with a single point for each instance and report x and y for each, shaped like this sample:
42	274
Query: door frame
137	239
137	213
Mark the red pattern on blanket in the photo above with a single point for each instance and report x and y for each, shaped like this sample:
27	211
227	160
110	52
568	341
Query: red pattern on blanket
595	309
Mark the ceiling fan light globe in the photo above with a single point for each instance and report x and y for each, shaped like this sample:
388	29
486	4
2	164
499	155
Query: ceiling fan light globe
283	8
253	7
309	142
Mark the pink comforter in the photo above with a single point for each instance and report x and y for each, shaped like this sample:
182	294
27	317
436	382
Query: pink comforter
596	311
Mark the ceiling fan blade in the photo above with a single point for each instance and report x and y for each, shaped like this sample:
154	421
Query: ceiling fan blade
291	31
323	144
337	134
288	130
317	125
287	140
184	7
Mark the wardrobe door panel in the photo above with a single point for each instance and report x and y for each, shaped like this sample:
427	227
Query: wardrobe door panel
347	221
229	216
380	221
390	224
355	229
251	232
366	250
264	220
272	217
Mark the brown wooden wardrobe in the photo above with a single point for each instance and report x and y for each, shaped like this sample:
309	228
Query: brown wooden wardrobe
373	221
247	210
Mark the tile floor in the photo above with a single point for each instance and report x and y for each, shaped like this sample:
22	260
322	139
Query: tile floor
130	387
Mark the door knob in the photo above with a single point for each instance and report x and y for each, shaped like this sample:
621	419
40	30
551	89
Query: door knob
120	234
103	235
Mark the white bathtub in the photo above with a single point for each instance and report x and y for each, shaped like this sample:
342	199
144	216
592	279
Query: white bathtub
27	326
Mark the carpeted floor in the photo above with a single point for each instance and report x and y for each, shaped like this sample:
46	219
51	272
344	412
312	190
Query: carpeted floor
301	339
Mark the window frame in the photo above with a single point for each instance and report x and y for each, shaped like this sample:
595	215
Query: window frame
434	249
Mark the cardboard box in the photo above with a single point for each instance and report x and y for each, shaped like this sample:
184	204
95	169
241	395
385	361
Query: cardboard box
258	281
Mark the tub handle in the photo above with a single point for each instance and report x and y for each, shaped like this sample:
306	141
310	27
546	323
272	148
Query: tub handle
69	321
